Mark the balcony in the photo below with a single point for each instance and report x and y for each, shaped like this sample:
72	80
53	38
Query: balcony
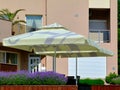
99	35
99	25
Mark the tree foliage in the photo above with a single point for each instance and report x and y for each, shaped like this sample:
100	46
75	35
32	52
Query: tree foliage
119	13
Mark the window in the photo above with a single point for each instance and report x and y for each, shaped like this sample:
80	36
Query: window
98	25
34	22
98	30
8	58
11	58
2	57
34	63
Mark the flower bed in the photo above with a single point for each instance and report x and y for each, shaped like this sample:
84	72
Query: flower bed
23	80
26	78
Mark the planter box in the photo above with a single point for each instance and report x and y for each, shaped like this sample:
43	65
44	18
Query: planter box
105	87
38	87
99	87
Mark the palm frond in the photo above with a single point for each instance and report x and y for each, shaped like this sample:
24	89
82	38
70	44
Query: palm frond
16	12
3	17
18	21
5	14
4	11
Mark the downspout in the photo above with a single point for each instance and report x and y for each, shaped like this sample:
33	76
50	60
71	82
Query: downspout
45	12
46	24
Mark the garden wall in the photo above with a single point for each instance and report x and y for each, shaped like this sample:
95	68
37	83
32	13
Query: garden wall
106	87
8	67
99	87
38	87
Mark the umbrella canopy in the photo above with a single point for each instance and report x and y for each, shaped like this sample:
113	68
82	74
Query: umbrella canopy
71	50
53	38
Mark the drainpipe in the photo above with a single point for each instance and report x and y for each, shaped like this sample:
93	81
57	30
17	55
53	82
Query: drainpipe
45	12
46	24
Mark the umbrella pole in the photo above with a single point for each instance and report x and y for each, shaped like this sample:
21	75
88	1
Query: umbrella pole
54	61
76	72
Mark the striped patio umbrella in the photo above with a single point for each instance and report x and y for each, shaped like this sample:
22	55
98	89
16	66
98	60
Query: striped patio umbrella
56	40
53	38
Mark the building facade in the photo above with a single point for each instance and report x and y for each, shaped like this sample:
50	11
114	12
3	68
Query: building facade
95	19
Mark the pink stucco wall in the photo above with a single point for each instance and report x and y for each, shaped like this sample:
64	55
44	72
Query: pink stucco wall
5	29
73	14
32	7
112	61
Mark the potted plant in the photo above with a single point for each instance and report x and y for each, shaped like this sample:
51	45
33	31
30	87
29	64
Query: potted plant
11	16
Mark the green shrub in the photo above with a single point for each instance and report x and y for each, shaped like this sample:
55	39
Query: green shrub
110	77
17	80
116	80
88	81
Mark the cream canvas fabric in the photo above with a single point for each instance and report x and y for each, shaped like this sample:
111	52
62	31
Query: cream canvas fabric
56	38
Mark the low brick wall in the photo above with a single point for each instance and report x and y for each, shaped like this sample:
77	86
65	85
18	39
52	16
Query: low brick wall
8	67
38	87
99	87
105	87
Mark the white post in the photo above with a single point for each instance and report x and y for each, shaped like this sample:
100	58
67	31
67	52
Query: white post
76	72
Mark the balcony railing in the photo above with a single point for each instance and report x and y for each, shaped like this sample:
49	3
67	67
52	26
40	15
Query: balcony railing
99	36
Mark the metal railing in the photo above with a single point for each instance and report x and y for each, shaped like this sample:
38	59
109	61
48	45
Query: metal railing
99	36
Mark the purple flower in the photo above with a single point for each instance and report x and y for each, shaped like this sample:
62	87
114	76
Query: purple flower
24	77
